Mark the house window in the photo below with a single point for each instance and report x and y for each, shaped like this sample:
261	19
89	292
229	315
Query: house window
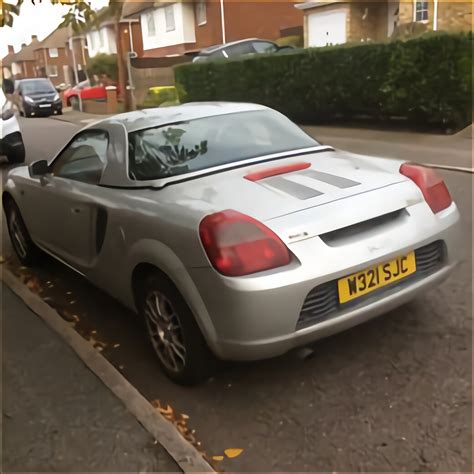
150	23
52	71
201	12
421	11
53	52
169	17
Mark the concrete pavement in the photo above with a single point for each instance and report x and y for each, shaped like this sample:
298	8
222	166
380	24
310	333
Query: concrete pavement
392	395
57	415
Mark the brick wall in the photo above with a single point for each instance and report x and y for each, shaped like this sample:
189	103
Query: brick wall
260	19
29	68
454	16
367	21
43	61
211	32
405	12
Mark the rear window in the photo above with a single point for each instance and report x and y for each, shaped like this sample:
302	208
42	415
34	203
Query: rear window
186	147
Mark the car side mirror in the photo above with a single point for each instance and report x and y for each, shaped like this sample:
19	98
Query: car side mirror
38	168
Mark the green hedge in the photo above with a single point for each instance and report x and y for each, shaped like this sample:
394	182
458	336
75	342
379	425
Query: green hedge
427	80
103	64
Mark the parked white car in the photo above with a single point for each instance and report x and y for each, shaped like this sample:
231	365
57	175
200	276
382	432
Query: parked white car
11	141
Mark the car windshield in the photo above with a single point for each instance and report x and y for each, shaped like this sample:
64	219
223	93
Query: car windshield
203	143
36	86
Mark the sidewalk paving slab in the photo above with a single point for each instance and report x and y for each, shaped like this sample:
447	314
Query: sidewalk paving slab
57	415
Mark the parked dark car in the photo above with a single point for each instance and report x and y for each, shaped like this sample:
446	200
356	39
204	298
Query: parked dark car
37	96
241	48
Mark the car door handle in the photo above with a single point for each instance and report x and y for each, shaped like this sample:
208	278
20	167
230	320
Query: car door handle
76	210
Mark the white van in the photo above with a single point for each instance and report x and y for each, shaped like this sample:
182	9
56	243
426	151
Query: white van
11	141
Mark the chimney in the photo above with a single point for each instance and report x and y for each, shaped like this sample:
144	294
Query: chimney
10	49
34	38
23	45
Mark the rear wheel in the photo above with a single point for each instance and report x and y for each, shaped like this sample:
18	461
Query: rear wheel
24	247
174	334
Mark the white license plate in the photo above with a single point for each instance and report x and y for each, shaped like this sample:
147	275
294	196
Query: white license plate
42	106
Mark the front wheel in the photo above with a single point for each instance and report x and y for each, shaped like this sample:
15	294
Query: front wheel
24	247
174	334
16	154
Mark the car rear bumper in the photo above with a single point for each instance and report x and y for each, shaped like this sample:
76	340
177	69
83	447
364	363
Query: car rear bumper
267	348
257	317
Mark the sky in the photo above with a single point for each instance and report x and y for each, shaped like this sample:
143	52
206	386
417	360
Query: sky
40	19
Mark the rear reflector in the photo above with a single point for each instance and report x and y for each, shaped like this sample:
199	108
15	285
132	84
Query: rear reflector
432	186
237	244
276	170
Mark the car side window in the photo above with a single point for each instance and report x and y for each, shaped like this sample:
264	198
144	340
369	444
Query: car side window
239	49
264	47
84	158
215	55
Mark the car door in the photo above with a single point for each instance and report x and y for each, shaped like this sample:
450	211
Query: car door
64	209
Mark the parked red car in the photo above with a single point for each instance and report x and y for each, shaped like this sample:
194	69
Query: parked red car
85	91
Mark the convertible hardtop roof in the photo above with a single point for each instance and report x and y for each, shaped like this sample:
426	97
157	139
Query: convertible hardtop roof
149	118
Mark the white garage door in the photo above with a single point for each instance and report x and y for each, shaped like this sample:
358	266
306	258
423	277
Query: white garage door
326	28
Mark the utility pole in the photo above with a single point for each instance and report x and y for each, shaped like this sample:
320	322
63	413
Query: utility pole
74	65
223	22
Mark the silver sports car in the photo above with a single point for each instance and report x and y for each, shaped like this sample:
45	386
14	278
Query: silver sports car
231	231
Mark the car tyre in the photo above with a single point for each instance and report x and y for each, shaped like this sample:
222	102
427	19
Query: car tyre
173	332
27	252
17	154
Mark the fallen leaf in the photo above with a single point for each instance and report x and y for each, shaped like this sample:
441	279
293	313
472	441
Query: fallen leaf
115	346
218	458
233	452
184	416
2	259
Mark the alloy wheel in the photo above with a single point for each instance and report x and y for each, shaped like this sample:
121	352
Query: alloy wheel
165	331
19	240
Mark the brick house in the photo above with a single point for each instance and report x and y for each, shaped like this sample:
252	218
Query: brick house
78	55
22	64
337	22
52	58
178	28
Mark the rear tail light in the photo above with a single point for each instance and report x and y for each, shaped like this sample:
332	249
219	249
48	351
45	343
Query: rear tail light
237	244
432	186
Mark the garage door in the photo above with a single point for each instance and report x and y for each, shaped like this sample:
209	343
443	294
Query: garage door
326	28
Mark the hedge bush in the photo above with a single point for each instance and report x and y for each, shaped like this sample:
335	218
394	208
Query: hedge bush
427	80
103	64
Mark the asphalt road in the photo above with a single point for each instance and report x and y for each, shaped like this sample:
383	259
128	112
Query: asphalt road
391	395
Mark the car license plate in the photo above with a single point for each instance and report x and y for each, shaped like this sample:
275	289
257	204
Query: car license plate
45	105
359	284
